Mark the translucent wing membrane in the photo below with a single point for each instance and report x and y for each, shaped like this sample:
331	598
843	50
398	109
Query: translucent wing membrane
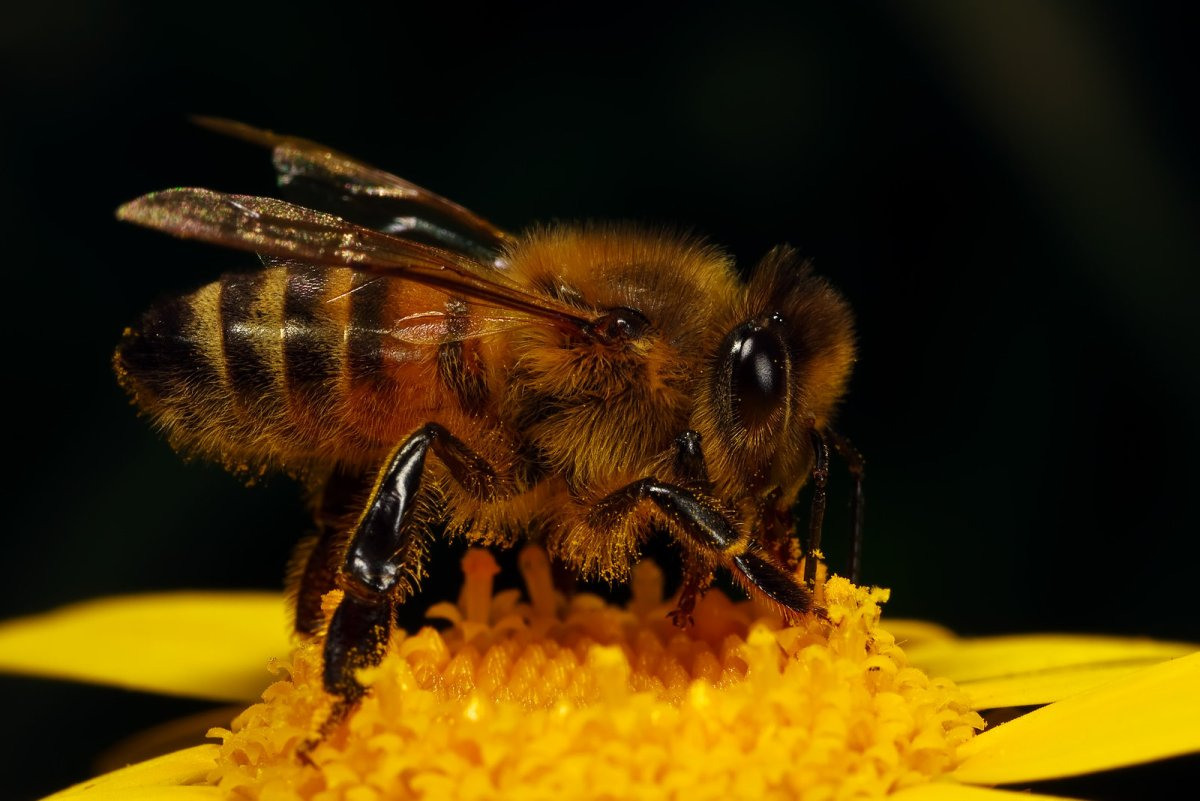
450	321
276	228
439	327
314	175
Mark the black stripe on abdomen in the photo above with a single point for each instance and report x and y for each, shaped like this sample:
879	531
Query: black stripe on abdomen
310	352
365	330
161	359
244	332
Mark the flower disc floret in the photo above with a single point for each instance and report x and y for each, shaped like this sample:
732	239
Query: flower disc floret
583	699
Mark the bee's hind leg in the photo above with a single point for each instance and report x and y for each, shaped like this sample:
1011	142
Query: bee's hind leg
315	563
384	559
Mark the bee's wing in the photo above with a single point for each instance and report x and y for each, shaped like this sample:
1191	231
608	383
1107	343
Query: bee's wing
314	175
452	321
276	228
439	327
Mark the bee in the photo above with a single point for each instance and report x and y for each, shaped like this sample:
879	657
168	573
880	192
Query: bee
422	370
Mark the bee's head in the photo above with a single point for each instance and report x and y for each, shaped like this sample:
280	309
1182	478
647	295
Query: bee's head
777	374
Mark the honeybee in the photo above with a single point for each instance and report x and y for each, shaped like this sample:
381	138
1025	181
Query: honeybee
422	370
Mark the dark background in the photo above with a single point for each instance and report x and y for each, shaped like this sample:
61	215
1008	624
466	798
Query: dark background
1007	194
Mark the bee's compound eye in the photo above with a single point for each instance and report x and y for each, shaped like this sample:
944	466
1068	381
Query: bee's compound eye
757	372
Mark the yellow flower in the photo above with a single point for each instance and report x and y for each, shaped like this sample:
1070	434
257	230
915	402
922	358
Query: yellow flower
547	698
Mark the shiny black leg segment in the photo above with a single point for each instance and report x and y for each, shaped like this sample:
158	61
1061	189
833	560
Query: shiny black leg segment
374	559
382	560
816	516
773	581
704	525
708	531
358	636
371	566
857	467
375	565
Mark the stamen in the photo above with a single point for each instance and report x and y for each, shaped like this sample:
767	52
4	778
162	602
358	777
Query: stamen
583	699
479	567
539	583
646	588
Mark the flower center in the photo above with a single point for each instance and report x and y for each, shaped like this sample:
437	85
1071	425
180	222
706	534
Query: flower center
583	699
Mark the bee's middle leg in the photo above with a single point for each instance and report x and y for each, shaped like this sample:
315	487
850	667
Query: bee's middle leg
707	533
383	560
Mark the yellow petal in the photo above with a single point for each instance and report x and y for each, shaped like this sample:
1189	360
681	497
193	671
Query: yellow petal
995	657
172	776
1041	688
909	633
204	645
949	791
1151	714
190	793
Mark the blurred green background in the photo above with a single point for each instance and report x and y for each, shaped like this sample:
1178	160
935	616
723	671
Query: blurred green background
1006	192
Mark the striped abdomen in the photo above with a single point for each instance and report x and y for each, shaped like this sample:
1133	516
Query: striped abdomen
289	365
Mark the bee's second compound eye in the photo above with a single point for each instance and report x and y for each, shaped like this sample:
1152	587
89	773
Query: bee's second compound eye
757	370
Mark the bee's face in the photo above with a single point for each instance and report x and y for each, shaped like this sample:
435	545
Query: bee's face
776	375
754	367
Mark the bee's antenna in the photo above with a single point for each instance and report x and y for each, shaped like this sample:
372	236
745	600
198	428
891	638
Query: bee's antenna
856	465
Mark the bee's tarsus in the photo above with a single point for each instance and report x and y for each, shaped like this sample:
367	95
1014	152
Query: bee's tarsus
681	615
304	752
337	713
358	636
761	573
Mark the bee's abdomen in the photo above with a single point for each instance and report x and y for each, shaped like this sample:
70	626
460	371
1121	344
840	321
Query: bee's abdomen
280	367
161	363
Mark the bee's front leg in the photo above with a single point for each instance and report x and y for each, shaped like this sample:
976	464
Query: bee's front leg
690	467
816	515
695	580
384	559
857	467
